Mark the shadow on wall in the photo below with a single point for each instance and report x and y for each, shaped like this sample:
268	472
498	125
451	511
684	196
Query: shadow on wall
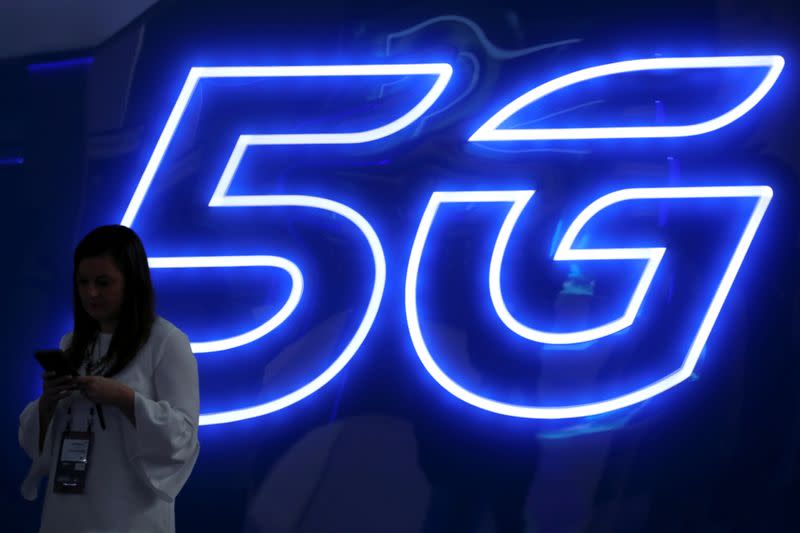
374	457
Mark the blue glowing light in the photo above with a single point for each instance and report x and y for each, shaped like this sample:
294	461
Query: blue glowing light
220	198
241	261
61	64
565	251
491	130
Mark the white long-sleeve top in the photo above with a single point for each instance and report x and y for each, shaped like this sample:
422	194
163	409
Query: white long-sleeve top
135	472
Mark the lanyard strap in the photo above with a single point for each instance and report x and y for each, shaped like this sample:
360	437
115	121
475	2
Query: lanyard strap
69	419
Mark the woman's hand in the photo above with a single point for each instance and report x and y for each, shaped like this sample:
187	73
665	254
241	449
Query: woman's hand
54	389
101	390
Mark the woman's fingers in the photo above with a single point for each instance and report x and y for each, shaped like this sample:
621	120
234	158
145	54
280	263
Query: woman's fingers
59	395
59	390
59	379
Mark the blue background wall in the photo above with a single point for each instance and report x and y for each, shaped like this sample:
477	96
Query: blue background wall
377	447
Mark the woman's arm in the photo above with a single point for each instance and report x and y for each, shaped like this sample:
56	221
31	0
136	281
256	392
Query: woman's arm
163	444
54	389
45	416
126	402
108	391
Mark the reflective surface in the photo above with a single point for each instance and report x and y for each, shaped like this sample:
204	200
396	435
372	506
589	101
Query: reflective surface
405	325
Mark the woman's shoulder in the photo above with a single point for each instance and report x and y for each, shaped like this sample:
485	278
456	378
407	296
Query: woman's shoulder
163	328
166	335
65	341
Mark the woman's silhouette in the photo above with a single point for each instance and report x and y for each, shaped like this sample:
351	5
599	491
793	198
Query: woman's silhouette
136	375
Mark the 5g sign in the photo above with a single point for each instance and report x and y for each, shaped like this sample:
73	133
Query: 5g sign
492	131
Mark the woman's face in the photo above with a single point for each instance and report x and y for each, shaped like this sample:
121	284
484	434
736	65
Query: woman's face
101	287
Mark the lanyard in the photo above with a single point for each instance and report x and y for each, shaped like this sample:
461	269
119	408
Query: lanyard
91	419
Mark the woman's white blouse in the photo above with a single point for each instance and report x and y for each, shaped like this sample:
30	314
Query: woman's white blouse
134	472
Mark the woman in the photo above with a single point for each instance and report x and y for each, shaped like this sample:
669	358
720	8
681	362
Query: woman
135	393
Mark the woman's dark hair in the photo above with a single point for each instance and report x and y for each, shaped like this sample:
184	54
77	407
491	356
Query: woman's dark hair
138	303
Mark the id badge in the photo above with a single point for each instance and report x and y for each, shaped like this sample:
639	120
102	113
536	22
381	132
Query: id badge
73	462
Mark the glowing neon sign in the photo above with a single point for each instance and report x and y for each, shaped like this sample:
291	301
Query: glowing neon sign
220	198
566	252
489	131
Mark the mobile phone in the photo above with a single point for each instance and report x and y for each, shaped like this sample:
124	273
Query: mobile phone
55	361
